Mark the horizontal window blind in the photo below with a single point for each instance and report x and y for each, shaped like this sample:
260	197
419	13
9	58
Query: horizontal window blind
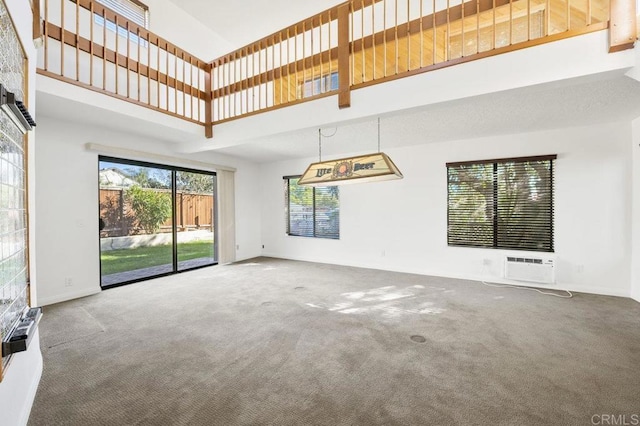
502	203
132	10
311	212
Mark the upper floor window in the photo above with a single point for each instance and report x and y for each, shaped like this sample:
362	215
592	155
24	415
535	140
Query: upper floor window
318	85
311	211
133	10
506	204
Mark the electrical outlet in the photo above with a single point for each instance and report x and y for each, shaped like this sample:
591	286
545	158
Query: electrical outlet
384	253
486	262
263	246
580	268
68	282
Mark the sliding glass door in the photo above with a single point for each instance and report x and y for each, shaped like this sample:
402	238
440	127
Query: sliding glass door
194	217
154	220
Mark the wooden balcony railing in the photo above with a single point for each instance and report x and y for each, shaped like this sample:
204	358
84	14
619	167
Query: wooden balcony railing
364	42
87	44
353	45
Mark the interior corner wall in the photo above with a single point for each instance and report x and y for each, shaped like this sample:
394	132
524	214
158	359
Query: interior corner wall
67	204
635	197
20	383
402	225
172	23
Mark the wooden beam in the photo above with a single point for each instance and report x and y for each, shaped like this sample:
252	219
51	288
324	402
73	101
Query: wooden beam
208	104
344	73
37	20
622	28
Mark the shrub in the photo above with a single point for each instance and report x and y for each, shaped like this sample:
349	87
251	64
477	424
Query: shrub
151	207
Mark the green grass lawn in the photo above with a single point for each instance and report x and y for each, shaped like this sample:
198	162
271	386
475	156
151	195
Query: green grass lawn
115	261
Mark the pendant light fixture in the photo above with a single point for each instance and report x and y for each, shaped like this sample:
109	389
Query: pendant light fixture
359	169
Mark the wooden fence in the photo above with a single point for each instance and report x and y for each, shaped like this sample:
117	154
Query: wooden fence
193	212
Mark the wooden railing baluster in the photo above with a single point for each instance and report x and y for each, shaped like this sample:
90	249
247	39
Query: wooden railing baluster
77	41
46	35
251	79
408	35
62	38
434	32
91	37
373	37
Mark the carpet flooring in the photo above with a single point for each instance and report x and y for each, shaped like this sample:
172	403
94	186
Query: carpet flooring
277	342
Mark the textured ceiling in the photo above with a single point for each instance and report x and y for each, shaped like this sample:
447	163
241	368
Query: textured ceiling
516	111
244	21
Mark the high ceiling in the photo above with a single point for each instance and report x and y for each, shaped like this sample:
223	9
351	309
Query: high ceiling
575	102
242	22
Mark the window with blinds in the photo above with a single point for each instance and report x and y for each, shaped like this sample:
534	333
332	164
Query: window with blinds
506	203
311	212
131	9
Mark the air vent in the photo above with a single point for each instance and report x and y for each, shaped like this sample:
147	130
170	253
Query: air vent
531	269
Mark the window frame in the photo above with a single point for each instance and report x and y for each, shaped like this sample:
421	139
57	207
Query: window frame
173	169
287	180
495	207
324	83
137	3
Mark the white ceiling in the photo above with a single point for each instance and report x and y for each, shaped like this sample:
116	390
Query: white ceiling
242	22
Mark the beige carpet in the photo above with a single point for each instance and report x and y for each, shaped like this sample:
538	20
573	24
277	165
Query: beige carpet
275	342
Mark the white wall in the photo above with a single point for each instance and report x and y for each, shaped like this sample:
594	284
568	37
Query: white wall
18	388
401	225
67	199
635	197
174	24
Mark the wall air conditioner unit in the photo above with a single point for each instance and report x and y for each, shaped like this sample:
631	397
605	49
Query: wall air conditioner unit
532	269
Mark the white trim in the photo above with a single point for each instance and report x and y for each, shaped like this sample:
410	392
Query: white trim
148	156
67	296
603	291
226	222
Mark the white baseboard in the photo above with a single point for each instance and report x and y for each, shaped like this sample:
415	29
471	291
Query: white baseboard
603	291
44	301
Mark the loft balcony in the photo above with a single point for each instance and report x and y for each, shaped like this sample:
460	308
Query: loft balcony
352	46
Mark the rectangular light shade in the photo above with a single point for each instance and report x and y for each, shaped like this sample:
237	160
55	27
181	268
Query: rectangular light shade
360	169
